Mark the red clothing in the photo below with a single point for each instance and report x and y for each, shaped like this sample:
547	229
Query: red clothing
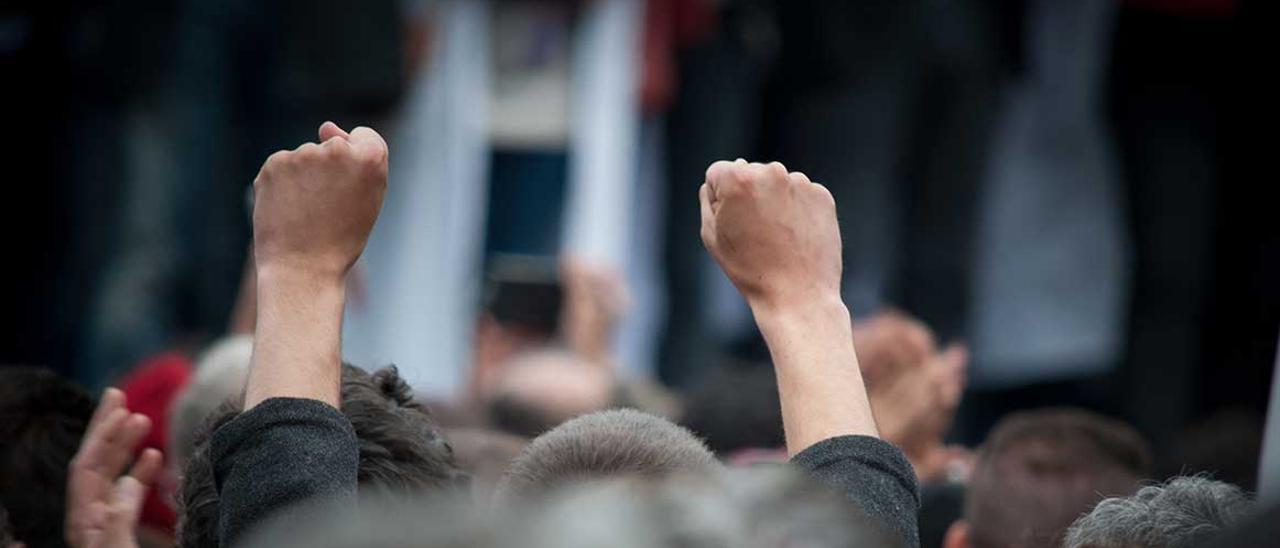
668	26
151	389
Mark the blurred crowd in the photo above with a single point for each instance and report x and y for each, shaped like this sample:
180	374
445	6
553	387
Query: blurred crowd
1058	283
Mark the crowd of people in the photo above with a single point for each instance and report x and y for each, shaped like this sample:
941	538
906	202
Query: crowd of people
272	439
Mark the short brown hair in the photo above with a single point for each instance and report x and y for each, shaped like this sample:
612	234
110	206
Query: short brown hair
1040	470
619	442
401	450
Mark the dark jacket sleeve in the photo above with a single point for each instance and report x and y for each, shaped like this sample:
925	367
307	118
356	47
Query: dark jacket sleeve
281	452
873	474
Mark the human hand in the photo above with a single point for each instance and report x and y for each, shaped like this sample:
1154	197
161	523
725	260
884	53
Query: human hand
773	233
775	236
890	343
595	298
915	407
314	206
102	505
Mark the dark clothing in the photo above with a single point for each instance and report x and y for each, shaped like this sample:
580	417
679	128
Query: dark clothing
874	474
940	506
286	450
281	452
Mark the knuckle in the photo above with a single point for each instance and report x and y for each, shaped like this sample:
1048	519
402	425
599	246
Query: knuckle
776	169
276	158
308	151
715	168
335	145
372	159
823	192
741	175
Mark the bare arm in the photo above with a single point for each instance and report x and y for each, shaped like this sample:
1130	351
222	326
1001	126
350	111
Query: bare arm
819	382
296	347
314	207
775	235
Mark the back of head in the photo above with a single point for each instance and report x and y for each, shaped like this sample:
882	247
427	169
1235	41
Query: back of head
220	376
752	507
620	442
537	390
401	450
1184	512
1039	470
42	418
381	520
736	407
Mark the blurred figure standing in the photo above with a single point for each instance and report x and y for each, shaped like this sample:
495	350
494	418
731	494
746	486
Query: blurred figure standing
890	104
1047	314
247	78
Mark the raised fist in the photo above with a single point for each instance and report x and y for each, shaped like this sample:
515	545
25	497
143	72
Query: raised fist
315	205
774	233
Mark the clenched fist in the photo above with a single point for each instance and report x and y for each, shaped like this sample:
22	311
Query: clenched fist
315	205
774	233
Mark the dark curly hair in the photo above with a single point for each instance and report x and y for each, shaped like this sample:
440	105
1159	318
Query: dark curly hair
401	450
42	418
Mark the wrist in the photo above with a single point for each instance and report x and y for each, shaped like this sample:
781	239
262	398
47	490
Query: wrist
278	277
297	345
798	311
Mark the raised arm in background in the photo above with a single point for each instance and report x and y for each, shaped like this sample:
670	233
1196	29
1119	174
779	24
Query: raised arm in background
775	235
314	207
103	501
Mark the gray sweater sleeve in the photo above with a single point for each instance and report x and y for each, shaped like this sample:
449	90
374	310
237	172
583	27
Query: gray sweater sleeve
873	474
281	452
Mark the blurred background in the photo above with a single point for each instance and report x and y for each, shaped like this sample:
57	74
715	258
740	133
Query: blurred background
1063	187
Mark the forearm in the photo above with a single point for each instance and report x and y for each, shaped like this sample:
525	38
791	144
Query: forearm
819	382
297	348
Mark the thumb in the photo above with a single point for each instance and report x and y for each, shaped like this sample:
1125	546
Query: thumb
329	130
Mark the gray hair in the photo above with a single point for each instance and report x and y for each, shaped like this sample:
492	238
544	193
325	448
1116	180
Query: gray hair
220	376
382	520
605	444
1184	512
751	508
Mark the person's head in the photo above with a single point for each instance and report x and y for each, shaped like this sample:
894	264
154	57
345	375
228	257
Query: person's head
537	390
401	450
1039	470
1185	512
620	442
220	376
735	407
749	507
423	521
42	418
